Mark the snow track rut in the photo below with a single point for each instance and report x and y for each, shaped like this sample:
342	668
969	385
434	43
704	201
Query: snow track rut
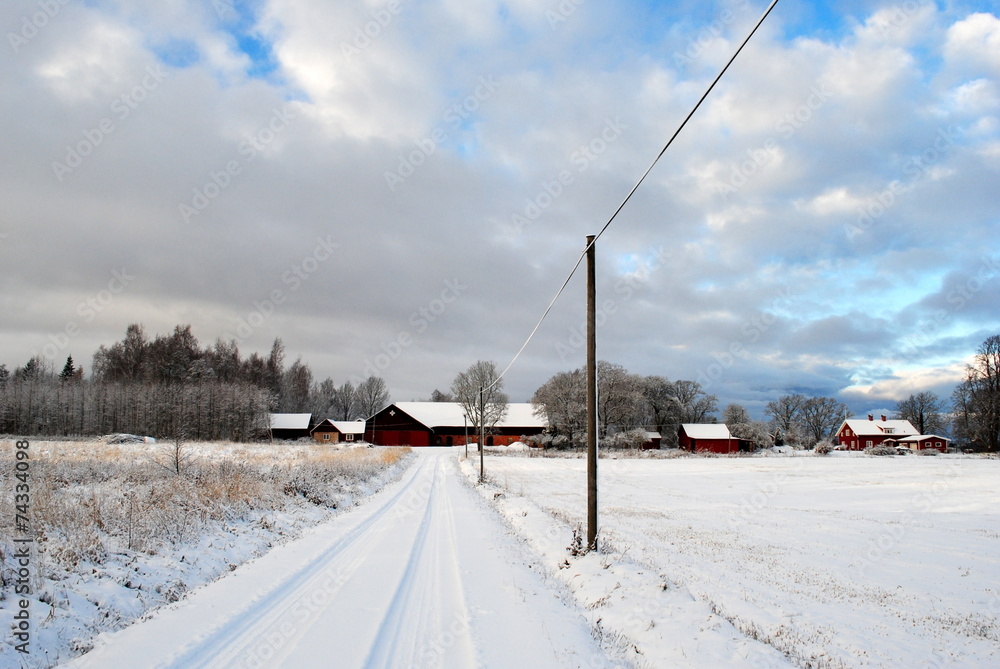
424	575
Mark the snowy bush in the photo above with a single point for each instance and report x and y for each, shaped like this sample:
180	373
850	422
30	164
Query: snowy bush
881	449
928	451
824	447
631	440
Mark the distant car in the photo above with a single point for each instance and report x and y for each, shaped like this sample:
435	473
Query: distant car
903	450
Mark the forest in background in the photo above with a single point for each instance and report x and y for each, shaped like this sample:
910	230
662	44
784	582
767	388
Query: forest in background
170	386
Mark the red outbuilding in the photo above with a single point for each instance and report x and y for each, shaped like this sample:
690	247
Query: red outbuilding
445	424
708	438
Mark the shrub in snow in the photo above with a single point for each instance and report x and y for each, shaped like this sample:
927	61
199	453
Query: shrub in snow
824	447
881	449
928	451
632	440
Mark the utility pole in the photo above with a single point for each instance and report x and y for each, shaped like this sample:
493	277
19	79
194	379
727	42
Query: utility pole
482	436
591	397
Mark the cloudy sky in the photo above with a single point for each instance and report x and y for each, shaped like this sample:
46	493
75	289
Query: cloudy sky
401	187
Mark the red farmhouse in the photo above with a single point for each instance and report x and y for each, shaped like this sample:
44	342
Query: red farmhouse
857	434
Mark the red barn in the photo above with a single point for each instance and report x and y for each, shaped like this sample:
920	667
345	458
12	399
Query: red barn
857	434
711	438
443	424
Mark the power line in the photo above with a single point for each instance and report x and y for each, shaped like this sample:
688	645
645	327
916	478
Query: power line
628	197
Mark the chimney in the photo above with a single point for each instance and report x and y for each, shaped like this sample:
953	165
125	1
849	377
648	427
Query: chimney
883	418
871	417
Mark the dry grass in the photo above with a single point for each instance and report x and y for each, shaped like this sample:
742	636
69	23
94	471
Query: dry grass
89	499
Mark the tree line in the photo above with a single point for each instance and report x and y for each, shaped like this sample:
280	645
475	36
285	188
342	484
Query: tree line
169	386
628	402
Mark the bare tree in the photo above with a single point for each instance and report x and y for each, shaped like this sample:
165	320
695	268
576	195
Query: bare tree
661	403
438	396
821	416
696	406
296	384
923	410
785	411
372	396
345	406
754	431
977	401
735	414
466	388
620	401
562	401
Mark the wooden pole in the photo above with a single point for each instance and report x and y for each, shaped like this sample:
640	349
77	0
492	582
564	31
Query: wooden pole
591	397
482	436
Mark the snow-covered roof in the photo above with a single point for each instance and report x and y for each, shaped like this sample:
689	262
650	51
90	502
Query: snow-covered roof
877	428
290	421
349	426
921	437
449	414
706	430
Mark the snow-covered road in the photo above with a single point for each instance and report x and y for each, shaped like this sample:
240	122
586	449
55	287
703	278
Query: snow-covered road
423	575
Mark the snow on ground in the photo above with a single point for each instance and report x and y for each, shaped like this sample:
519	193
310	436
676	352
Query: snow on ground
423	575
834	562
109	587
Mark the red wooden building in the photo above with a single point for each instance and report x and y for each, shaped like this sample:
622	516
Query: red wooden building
443	424
335	431
923	442
857	434
708	438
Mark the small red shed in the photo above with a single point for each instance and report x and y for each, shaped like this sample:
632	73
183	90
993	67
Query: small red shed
709	438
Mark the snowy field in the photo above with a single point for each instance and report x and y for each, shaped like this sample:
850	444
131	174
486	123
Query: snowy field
118	534
833	561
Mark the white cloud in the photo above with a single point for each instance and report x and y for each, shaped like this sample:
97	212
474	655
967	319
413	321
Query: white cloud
975	41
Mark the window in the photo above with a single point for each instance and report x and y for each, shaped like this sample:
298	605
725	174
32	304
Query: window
348	437
326	436
869	443
890	430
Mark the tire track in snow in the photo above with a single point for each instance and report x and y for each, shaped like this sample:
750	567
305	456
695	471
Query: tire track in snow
431	586
232	640
423	576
